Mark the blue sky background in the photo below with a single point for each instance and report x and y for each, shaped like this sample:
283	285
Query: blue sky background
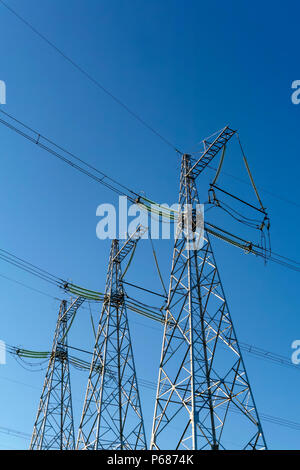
188	68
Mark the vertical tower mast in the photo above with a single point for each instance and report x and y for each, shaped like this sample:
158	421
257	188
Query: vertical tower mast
54	427
112	416
204	399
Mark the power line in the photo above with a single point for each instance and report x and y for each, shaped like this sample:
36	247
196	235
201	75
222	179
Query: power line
120	189
152	386
266	417
132	304
30	268
241	180
288	201
91	78
250	349
29	287
14	433
268	356
37	138
98	84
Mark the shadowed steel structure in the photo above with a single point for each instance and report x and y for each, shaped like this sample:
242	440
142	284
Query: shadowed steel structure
204	398
112	416
54	426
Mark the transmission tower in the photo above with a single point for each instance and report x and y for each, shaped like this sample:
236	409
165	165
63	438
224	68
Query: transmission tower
112	416
54	427
204	399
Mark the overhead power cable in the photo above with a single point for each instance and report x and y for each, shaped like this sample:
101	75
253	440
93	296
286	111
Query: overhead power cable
259	353
14	433
288	201
145	203
64	155
29	287
132	304
85	365
30	268
91	78
267	191
269	356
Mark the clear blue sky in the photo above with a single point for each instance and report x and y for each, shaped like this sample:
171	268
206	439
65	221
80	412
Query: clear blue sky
188	68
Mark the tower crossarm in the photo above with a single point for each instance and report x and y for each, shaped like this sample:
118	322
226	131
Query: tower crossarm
211	147
70	312
130	243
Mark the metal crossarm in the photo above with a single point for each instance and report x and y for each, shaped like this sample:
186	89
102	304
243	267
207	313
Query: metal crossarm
211	148
130	243
70	312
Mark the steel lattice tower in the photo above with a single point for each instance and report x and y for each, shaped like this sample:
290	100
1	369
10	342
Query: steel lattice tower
54	427
112	416
203	393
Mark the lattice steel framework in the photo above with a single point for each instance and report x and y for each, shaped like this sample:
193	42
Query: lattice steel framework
204	399
112	416
54	427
